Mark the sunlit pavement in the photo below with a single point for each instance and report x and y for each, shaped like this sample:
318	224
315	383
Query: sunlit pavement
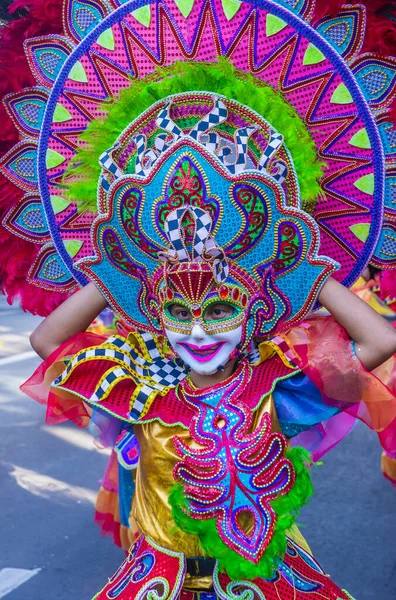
50	548
49	477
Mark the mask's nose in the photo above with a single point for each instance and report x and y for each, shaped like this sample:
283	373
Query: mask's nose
197	333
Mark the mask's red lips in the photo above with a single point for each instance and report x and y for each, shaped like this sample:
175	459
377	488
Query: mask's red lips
202	353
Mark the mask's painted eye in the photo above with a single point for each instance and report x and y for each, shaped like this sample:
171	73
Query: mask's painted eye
179	312
216	312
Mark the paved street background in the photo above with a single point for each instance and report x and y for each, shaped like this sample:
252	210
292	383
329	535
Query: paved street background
49	477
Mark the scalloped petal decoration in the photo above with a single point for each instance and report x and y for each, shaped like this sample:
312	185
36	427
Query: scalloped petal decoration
26	109
20	165
390	193
27	220
81	16
386	247
301	8
46	56
48	271
388	136
346	31
377	78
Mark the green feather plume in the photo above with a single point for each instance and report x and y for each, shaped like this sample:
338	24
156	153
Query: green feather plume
81	178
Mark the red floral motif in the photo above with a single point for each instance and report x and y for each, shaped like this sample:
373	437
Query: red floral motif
186	188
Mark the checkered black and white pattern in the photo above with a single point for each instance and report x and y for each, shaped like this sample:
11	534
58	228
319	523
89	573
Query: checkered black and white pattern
203	242
200	133
174	232
104	183
162	142
241	137
164	121
234	157
147	370
282	172
145	159
150	345
161	371
107	163
274	144
210	141
226	151
217	115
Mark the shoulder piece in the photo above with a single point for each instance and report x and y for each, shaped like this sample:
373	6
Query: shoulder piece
122	376
272	362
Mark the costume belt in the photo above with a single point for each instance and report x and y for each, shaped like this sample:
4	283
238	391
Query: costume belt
200	566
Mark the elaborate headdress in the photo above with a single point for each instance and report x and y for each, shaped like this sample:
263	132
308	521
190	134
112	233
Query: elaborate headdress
203	215
202	172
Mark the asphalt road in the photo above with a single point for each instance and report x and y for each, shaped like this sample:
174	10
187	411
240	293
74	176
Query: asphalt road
49	477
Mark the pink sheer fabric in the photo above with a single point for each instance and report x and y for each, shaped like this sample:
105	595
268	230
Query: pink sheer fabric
61	406
323	437
323	351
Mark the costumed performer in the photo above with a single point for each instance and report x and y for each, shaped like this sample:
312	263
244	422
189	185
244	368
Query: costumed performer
262	144
217	487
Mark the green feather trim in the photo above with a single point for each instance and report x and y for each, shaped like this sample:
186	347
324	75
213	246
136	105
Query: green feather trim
348	595
286	508
81	177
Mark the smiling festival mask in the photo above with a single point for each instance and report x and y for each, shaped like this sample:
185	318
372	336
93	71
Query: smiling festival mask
205	353
203	218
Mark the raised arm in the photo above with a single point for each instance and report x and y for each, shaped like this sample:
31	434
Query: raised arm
73	316
374	337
